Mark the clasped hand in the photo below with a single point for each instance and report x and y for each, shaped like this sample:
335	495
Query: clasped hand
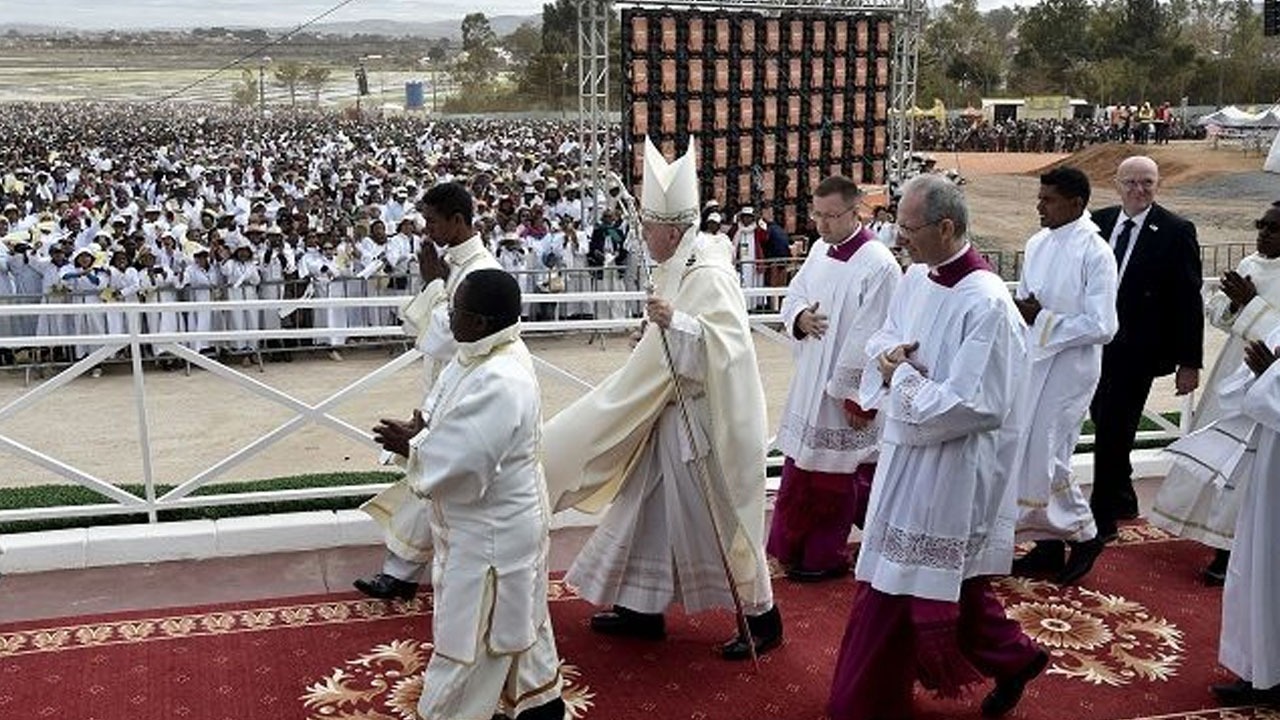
892	358
1029	307
395	435
1239	289
430	265
1258	356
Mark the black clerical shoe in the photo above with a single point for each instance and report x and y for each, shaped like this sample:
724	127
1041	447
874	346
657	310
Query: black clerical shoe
621	621
1006	694
554	710
1215	574
1129	512
800	575
1083	555
386	587
1212	577
1048	556
766	631
1240	692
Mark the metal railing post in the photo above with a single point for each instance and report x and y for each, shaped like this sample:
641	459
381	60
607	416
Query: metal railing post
140	401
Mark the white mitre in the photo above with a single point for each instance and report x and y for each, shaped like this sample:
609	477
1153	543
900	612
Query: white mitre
670	190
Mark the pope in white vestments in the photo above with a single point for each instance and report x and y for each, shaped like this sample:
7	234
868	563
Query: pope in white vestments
1200	498
1251	598
687	497
1067	295
948	367
473	457
402	514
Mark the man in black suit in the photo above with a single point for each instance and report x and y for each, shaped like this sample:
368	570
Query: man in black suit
1161	332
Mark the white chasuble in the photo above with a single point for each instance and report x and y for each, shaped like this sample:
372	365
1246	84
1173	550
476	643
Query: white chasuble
615	443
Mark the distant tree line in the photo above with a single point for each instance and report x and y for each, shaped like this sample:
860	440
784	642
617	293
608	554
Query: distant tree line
533	67
1106	51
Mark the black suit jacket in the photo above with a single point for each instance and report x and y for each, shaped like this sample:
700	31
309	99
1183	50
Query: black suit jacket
1159	304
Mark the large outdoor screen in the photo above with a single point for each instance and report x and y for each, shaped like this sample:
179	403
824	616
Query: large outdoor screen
776	103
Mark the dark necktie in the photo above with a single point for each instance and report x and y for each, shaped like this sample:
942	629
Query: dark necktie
1123	240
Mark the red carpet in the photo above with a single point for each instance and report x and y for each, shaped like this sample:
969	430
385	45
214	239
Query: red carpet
1138	641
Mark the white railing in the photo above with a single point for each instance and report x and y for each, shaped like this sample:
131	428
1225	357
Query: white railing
303	413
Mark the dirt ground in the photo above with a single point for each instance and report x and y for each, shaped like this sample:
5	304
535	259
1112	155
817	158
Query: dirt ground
1002	188
197	420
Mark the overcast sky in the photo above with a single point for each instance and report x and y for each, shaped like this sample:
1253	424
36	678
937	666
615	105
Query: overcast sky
128	14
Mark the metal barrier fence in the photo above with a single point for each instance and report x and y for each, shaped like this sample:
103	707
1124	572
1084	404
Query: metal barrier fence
140	342
1214	259
136	339
183	312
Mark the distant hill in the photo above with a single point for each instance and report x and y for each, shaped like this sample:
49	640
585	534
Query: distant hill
36	29
452	28
434	29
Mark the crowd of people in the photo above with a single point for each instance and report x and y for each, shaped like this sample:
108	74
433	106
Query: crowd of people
1121	124
119	204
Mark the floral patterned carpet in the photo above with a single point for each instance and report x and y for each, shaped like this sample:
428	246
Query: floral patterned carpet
1137	640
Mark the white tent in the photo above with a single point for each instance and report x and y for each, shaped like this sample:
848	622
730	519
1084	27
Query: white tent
1233	117
1272	163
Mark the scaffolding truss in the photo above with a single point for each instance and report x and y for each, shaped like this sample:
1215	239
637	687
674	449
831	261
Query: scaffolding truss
908	31
594	132
594	141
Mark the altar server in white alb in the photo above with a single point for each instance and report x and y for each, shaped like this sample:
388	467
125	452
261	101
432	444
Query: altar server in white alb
681	493
1251	599
473	458
836	302
948	368
402	514
1067	296
1200	498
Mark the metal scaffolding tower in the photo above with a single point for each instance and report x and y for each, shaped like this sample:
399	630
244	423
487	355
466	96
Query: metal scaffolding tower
594	139
908	30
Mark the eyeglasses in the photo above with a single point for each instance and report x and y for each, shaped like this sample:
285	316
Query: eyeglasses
1268	226
820	216
913	230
